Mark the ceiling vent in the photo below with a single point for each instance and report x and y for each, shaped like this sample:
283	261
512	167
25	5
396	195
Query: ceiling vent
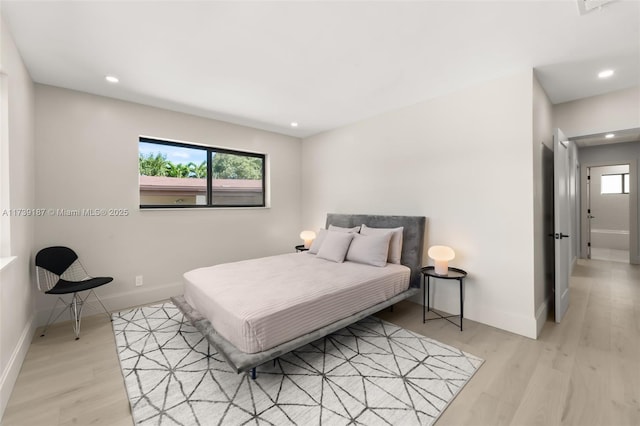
586	6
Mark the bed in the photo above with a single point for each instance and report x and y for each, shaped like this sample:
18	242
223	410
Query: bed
257	310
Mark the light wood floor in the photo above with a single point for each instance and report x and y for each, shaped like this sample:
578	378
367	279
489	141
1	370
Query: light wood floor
612	255
585	371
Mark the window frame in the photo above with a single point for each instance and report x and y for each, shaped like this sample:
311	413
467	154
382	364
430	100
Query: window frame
209	150
623	188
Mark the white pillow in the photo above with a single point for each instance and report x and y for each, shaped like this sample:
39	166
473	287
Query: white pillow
335	246
369	249
395	245
317	241
355	229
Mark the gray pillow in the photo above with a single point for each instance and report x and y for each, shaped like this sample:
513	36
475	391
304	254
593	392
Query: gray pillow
355	229
395	245
369	249
335	246
317	241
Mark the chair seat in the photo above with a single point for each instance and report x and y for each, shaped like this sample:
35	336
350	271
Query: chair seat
64	286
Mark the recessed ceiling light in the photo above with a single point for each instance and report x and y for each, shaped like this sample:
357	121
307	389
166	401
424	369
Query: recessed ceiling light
609	135
294	124
112	79
605	74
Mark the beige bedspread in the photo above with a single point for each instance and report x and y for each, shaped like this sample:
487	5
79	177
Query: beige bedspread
260	303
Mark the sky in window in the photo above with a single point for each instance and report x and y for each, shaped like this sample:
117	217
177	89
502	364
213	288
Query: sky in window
175	154
611	184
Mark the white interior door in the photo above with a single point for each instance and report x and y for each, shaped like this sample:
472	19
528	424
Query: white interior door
561	212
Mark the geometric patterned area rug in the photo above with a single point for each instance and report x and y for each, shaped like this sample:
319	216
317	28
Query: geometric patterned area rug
370	373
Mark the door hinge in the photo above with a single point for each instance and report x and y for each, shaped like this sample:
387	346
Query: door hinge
588	244
588	177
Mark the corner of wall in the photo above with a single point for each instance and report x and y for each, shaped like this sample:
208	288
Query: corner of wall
541	316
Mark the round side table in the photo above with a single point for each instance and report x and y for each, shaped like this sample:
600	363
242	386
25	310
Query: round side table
429	272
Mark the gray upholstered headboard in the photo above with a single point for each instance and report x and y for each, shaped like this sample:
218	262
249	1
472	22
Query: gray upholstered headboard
412	237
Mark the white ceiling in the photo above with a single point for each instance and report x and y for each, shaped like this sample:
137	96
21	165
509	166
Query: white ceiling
618	136
322	64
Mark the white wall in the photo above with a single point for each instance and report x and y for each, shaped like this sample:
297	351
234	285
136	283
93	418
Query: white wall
599	114
87	157
603	155
16	289
464	161
542	205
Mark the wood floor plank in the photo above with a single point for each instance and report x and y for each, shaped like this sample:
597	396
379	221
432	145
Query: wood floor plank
589	393
623	414
542	402
485	410
625	382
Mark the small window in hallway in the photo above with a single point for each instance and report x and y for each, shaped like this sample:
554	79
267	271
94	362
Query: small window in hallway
615	184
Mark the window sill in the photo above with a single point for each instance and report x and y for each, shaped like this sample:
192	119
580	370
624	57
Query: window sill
5	261
203	208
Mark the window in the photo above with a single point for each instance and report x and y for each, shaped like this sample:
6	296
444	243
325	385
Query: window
625	183
174	174
614	184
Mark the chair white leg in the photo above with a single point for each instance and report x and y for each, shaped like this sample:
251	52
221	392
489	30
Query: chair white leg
75	308
106	311
76	305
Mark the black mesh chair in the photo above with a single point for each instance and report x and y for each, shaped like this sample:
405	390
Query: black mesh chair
58	271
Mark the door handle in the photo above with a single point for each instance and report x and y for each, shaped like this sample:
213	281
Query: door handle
560	236
591	217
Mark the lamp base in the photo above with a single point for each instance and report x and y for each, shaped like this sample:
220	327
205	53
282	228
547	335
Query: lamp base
441	267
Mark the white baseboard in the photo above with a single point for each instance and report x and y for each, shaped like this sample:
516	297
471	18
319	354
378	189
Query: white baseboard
113	302
11	371
541	316
518	324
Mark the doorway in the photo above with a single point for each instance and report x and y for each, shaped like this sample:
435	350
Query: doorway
608	213
547	223
614	148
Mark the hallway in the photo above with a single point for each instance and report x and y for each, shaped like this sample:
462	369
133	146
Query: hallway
596	349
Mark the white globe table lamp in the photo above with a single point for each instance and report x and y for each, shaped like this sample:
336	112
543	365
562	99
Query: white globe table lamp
308	237
441	256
